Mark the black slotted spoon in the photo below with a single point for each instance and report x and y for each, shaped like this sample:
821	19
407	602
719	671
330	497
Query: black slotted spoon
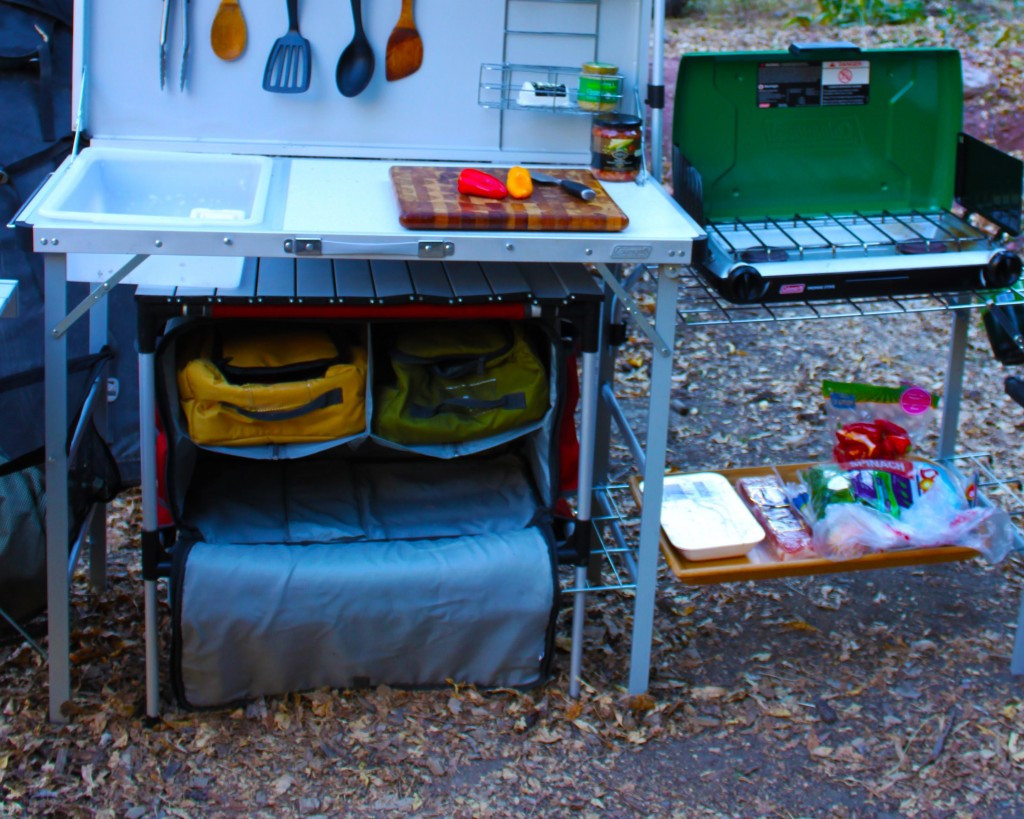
288	65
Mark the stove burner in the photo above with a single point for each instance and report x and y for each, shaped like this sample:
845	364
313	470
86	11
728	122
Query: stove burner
917	247
764	254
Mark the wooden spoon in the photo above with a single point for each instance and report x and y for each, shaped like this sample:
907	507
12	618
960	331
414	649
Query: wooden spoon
228	34
404	52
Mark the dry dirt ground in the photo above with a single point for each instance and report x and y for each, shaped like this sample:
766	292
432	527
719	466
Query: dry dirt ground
870	694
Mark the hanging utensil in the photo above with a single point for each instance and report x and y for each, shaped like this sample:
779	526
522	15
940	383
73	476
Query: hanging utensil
165	24
355	66
288	65
404	52
186	27
165	41
228	33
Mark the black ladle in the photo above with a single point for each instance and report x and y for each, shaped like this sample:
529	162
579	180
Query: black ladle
355	66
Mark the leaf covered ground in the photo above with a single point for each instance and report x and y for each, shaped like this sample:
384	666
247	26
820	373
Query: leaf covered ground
870	694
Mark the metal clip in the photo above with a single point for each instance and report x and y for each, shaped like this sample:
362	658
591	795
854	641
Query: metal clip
303	247
436	250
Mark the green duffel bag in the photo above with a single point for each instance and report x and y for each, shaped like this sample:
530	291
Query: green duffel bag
460	381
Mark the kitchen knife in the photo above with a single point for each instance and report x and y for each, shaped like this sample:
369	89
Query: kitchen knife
577	189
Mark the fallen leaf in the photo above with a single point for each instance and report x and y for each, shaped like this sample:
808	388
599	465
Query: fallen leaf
799	625
707	693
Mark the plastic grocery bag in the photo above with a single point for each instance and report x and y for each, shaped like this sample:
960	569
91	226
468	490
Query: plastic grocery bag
875	506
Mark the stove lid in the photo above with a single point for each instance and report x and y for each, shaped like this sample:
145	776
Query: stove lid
820	129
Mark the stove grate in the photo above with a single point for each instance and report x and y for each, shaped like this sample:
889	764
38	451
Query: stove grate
774	239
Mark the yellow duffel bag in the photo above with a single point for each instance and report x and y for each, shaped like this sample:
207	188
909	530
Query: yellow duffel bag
247	385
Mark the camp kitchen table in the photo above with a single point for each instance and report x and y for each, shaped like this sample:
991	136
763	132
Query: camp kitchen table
305	177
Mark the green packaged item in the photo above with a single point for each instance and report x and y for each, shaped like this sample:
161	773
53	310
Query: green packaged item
460	381
889	487
884	487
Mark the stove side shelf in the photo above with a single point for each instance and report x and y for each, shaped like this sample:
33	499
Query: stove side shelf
622	539
701	306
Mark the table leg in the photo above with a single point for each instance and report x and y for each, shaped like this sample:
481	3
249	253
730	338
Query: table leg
98	528
1017	660
954	387
654	475
55	361
148	477
584	511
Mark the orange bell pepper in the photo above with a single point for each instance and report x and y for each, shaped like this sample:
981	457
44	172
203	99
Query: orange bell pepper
519	183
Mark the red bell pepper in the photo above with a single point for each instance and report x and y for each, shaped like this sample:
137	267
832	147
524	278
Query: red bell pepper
857	442
478	183
871	439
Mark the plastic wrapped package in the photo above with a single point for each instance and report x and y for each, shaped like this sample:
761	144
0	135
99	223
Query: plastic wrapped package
787	536
869	421
875	506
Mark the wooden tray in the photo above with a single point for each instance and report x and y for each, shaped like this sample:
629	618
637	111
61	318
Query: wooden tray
703	572
428	199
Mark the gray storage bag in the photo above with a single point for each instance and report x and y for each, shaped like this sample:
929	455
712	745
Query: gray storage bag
330	571
272	618
360	565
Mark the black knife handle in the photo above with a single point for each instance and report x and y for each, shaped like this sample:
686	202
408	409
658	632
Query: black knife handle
578	189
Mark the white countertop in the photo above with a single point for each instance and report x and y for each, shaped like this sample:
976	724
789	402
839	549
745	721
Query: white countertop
350	202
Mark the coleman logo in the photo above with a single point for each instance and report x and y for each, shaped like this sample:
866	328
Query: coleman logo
631	252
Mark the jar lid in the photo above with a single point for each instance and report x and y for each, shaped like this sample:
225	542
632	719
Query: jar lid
619	121
600	68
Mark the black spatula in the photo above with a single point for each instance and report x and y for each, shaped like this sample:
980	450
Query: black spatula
288	65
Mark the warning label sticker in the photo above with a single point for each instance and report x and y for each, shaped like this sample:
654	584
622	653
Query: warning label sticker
802	84
845	82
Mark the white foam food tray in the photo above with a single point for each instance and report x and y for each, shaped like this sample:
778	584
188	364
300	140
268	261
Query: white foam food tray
703	517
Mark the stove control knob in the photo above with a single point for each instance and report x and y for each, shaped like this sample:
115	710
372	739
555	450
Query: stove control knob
1002	270
746	285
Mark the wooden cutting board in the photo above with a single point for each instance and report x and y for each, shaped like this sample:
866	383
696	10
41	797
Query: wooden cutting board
429	199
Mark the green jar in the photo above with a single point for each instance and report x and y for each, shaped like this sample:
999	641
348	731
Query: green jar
600	87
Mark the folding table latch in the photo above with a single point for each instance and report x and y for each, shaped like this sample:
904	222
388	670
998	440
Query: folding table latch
319	247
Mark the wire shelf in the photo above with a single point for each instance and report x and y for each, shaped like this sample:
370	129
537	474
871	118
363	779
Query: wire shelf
993	490
613	554
549	88
701	306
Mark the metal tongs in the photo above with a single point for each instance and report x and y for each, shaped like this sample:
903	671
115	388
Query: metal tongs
165	24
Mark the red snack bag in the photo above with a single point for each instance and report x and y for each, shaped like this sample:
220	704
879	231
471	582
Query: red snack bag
872	422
